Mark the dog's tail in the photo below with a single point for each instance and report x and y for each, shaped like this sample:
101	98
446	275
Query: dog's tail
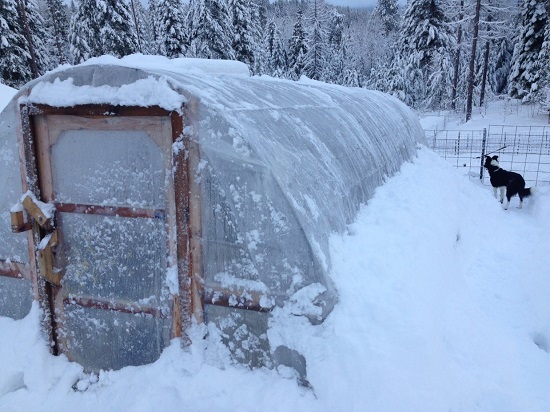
527	191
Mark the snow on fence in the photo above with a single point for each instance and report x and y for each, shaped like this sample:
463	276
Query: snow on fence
522	149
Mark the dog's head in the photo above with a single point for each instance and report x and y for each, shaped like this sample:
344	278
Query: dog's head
491	161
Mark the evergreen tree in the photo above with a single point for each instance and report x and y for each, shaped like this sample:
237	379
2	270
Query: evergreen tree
139	24
171	38
543	94
276	54
335	53
525	73
58	24
297	48
350	75
154	32
118	36
211	32
244	32
38	38
426	50
501	66
84	39
387	12
316	56
14	56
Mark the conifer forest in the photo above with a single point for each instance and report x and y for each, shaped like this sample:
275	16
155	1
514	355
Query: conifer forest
431	54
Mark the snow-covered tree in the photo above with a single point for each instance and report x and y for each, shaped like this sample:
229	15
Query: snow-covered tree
84	39
172	26
39	37
501	66
14	70
118	35
297	48
543	94
139	23
525	73
210	30
387	12
335	53
426	48
275	52
317	23
57	22
245	33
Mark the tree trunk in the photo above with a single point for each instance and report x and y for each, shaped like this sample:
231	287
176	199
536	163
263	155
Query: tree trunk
457	60
473	63
136	24
485	70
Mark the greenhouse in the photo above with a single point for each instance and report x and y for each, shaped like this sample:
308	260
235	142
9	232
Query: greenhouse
144	196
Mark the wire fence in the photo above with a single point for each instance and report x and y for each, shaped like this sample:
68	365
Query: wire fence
522	149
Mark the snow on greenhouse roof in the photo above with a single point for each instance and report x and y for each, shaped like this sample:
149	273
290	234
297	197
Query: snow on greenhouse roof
126	91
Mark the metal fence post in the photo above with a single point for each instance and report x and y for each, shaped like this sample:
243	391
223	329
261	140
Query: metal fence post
483	143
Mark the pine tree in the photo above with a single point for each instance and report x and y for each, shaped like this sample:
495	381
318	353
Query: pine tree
543	94
297	48
211	32
317	21
84	40
58	24
13	53
276	65
335	53
172	38
153	31
244	32
350	73
501	66
139	24
39	36
525	74
426	48
117	33
387	12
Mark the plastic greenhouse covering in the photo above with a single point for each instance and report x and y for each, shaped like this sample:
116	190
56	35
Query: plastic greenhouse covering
279	166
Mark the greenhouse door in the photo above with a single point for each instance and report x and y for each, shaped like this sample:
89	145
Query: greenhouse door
110	182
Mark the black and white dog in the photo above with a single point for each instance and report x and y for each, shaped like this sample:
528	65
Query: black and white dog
503	179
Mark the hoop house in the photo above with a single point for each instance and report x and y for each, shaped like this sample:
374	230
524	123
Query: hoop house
146	195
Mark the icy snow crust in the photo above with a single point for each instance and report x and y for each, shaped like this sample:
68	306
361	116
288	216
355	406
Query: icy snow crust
282	165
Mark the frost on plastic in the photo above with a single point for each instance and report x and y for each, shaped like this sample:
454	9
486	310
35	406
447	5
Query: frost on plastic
114	259
15	294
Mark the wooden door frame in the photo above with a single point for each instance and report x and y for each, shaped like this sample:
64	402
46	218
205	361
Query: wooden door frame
184	212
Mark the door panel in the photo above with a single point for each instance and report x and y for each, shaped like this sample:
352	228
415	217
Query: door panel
118	168
110	183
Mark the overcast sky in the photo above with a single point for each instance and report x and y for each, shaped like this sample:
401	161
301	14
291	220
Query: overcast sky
359	3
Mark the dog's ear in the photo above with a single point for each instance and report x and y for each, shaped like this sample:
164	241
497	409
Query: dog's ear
495	157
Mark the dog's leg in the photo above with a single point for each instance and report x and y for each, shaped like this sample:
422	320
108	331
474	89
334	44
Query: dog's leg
502	194
507	204
495	192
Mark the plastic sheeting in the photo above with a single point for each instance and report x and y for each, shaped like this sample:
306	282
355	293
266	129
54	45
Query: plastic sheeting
281	165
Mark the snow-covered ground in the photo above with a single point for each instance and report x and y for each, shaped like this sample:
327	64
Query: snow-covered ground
443	306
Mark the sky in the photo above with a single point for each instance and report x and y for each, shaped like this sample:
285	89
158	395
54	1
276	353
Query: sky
442	306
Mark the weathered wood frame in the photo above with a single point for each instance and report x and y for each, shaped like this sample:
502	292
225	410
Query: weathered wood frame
186	247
